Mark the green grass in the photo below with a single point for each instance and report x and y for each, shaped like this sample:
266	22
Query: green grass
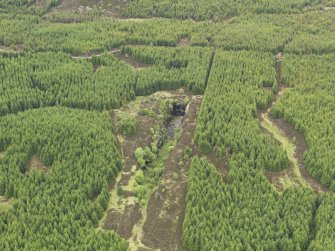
5	204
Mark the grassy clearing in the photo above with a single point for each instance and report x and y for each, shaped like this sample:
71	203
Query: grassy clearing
5	204
286	181
130	109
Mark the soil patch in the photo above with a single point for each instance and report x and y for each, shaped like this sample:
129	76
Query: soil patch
5	204
124	179
117	53
66	5
184	42
220	163
175	123
127	59
282	179
166	207
123	222
35	162
18	49
40	4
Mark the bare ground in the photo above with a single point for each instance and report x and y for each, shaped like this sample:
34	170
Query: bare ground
282	179
123	222
221	164
35	162
125	58
5	204
142	136
166	207
18	48
184	42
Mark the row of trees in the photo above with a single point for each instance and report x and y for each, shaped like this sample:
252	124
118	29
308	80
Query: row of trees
49	79
270	33
43	79
314	34
175	67
58	209
20	26
311	43
103	34
325	224
92	33
214	10
302	69
27	6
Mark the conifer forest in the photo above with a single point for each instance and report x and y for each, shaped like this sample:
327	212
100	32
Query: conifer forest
167	125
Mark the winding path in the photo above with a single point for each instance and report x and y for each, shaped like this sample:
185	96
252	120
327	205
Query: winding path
291	140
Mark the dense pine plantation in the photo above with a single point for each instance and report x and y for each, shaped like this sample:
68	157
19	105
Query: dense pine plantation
68	69
309	106
48	79
183	66
60	208
216	10
103	82
245	214
227	120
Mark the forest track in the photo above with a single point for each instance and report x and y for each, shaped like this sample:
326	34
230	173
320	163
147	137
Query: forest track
210	66
166	207
293	142
118	55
